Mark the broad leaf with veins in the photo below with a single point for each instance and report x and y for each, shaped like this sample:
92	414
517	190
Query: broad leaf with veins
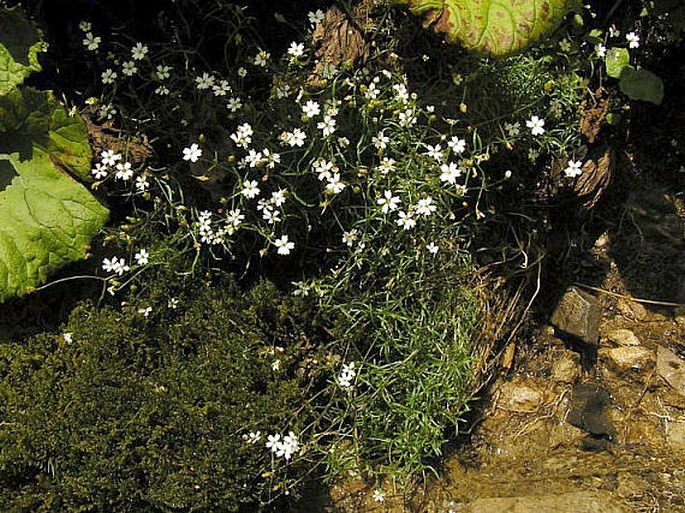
491	27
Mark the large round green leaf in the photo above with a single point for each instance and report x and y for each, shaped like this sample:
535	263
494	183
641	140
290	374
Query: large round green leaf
491	27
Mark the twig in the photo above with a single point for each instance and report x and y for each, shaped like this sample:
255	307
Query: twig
631	298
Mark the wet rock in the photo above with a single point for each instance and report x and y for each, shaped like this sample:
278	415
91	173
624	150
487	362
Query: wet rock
623	359
600	501
588	412
521	395
623	338
578	314
567	368
671	368
675	434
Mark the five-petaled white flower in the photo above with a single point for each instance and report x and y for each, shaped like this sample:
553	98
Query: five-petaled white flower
91	42
406	220
327	126
139	51
600	50
99	171
109	158
633	40
380	141
311	109
536	125
435	152
142	183
388	202
512	129
449	173
142	257
432	248
425	207
162	72
574	168
85	26
250	189
315	17
124	171
457	145
109	76
284	245
334	184
262	58
296	50
192	153
204	81
378	496
129	69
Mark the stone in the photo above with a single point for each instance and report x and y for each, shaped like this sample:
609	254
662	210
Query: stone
675	434
671	368
588	410
578	314
566	369
623	359
632	310
521	395
623	337
600	501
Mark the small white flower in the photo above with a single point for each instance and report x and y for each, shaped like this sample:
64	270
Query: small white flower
142	257
449	173
234	104
284	246
426	207
68	337
172	303
406	220
633	40
434	152
242	72
565	45
145	312
250	189
311	109
457	145
296	50
124	171
401	93
262	58
275	366
386	165
204	81
139	51
600	50
222	88
129	69
324	169
432	248
378	496
273	442
271	216
243	135
380	141
388	202
315	17
297	138
253	437
109	158
349	238
574	168
99	171
115	265
278	197
536	125
192	153
407	118
613	31
85	26
142	183
512	129
327	126
334	184
162	72
347	375
91	42
109	76
162	90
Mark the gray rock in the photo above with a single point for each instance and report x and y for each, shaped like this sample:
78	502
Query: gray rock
671	368
628	358
623	338
600	501
578	314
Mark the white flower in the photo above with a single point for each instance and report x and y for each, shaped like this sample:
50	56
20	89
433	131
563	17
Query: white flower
533	154
115	265
99	171
284	246
315	17
327	126
565	45
324	168
262	58
297	138
282	91
278	197
243	135
162	72
434	152
350	237
242	72
401	93
512	130
254	158
250	189
613	31
85	26
311	109
388	202
457	145
222	88
109	76
334	184
380	141
145	312
172	303
142	183
378	496
68	337
271	216
253	437
536	125
344	142
288	447
347	375
142	257
109	158
432	248
407	118
139	51
124	171
633	40
425	207
192	153
296	50
600	50
234	219
273	442
449	173
204	81
574	168
129	69
406	220
234	104
371	92
386	165
91	42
